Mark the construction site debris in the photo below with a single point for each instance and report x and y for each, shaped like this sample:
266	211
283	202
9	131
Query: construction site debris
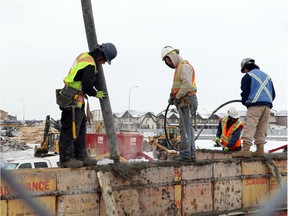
7	145
32	135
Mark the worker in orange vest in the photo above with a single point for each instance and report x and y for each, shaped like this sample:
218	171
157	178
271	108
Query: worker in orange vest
183	96
229	131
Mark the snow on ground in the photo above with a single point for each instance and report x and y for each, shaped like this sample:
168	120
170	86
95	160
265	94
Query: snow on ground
200	144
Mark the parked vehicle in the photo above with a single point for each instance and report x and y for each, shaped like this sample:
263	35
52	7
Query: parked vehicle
47	162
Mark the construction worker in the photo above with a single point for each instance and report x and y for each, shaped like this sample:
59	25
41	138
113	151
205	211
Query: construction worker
183	96
78	83
229	131
257	95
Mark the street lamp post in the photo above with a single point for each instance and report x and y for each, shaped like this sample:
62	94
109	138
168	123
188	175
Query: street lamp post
129	104
23	110
16	114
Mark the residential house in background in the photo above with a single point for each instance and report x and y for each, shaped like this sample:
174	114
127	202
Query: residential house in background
201	119
129	120
3	115
132	120
281	118
172	118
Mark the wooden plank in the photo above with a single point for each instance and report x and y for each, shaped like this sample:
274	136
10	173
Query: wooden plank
107	194
197	198
3	207
78	204
178	190
20	207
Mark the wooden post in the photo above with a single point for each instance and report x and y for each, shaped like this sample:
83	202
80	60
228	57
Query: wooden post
100	79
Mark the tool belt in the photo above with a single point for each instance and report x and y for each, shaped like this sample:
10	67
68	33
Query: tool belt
65	97
185	101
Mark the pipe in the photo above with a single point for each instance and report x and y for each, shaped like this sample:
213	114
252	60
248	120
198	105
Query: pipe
222	105
100	81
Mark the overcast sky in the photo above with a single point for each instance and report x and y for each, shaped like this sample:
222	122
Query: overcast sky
41	39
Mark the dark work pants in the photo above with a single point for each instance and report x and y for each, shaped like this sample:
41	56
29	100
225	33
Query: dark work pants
68	147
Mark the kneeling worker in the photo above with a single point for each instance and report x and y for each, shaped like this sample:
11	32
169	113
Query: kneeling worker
229	131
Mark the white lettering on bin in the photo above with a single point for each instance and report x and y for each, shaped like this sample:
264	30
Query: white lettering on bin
133	141
100	139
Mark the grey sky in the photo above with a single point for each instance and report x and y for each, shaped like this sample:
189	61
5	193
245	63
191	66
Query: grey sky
41	39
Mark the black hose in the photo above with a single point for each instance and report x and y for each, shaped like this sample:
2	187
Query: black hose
222	105
165	129
165	126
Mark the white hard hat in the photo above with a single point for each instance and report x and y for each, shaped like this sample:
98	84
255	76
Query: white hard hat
232	112
166	50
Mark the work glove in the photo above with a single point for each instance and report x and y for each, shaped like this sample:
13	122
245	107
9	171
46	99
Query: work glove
217	140
176	102
226	149
100	95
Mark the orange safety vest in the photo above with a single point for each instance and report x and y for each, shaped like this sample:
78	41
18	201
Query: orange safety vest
177	80
225	137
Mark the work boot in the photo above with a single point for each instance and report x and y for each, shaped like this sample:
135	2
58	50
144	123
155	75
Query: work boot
71	163
259	151
181	159
87	161
245	152
193	158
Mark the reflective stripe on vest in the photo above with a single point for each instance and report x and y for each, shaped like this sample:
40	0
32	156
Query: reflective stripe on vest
225	137
82	61
262	85
177	80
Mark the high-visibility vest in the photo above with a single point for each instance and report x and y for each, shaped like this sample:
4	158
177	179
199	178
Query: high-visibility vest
82	61
225	137
261	87
177	80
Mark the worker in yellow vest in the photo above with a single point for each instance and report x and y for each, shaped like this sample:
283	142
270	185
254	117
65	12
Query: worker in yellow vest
183	96
229	131
80	82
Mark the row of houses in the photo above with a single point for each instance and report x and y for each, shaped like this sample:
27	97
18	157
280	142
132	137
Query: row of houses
132	120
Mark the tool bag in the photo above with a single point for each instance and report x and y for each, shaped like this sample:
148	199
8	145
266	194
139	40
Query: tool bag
65	96
184	101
